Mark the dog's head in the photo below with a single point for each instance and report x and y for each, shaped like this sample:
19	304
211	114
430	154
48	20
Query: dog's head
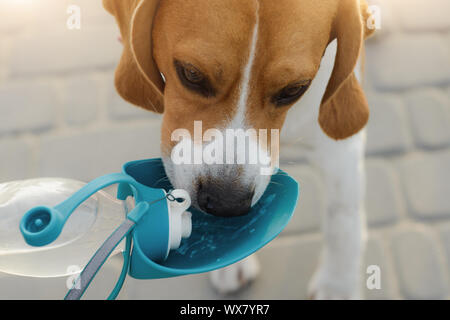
236	65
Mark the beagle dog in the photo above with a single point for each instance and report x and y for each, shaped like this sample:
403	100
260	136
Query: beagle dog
257	64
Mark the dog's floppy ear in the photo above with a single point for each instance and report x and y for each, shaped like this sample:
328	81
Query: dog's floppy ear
344	110
137	78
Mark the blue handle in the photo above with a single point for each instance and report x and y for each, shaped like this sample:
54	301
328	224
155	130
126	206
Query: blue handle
42	225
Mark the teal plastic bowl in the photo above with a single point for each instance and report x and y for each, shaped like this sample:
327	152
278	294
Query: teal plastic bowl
215	242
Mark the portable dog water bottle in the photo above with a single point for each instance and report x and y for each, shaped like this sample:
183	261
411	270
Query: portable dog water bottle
169	223
206	244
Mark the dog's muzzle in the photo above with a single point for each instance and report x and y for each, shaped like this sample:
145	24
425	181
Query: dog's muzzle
224	199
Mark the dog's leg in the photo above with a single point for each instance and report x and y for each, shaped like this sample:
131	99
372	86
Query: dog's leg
342	164
232	278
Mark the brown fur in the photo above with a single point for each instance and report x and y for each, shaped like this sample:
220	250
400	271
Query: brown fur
137	78
214	35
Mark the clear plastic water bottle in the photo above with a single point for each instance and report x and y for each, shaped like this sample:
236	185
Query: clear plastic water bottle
84	232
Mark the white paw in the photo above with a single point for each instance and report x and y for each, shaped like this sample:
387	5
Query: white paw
326	285
236	276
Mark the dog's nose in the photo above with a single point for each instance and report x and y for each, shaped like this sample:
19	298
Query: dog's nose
224	200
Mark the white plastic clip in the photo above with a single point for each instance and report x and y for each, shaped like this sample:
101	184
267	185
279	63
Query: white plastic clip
180	224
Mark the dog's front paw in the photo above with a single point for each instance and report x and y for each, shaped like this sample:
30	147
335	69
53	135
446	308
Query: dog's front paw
326	285
236	276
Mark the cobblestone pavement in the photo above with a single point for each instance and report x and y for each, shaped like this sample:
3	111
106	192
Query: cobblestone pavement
60	116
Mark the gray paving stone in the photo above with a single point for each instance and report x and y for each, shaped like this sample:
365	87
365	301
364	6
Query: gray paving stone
4	58
376	256
311	205
28	288
388	20
26	106
419	267
192	287
418	15
55	12
445	237
17	19
81	100
387	130
383	196
409	60
293	153
15	160
429	111
88	154
62	50
425	180
287	265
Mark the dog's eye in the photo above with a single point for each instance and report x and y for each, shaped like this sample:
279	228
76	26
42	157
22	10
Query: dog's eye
193	79
290	93
192	74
